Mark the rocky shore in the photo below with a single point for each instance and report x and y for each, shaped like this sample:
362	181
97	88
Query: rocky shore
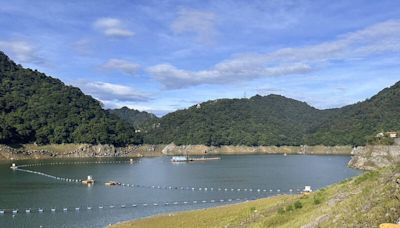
373	157
79	151
368	157
87	150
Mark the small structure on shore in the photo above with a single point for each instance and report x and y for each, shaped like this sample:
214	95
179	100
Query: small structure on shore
389	134
392	134
88	181
307	190
13	166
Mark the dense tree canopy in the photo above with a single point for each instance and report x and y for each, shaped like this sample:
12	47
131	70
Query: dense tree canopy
276	120
134	117
38	108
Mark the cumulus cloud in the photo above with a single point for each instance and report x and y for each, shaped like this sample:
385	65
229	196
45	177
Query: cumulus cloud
122	65
201	23
374	40
112	27
21	51
105	91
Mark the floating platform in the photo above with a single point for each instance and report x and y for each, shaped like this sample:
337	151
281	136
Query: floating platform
206	158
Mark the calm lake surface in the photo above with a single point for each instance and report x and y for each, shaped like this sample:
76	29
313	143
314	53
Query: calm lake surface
238	174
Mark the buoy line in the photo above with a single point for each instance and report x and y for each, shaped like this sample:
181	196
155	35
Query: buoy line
121	206
173	188
71	180
210	189
72	163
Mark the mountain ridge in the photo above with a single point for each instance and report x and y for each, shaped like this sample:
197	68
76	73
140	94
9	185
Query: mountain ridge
38	108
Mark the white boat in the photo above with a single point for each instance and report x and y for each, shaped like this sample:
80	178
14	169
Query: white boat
179	159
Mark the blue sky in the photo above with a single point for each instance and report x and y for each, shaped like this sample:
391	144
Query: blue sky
160	56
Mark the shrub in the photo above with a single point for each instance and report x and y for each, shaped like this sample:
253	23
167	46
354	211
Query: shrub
317	200
281	210
298	205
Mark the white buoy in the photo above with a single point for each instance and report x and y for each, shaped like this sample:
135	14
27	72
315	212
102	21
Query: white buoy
131	160
13	166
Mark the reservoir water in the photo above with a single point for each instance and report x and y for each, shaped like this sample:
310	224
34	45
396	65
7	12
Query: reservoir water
155	186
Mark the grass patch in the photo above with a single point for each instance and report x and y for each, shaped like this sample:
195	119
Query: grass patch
366	176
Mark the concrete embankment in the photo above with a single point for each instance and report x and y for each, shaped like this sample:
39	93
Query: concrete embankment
87	150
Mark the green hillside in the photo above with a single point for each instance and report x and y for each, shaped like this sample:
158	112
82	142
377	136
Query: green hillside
269	120
38	108
277	120
134	117
355	124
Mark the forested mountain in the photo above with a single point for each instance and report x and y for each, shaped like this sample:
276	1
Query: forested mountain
276	120
269	120
38	108
355	124
134	117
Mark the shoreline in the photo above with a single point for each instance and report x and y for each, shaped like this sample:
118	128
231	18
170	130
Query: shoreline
369	157
31	151
339	204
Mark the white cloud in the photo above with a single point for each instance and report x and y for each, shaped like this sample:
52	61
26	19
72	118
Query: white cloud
112	27
122	65
105	91
374	40
201	23
173	78
21	51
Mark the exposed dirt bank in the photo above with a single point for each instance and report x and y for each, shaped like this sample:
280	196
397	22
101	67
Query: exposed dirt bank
86	150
